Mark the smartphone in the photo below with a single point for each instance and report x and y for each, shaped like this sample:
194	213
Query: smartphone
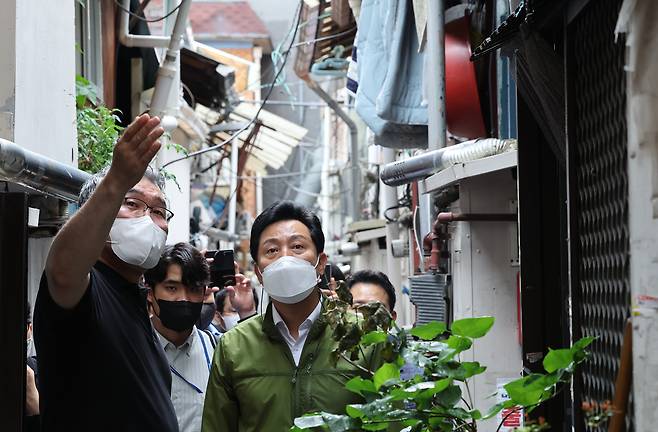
222	269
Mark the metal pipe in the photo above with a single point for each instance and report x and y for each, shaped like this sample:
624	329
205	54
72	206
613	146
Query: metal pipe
389	198
354	146
447	217
22	166
130	40
436	91
419	167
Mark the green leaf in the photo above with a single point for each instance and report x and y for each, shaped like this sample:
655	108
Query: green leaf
558	359
354	410
450	396
491	412
458	343
375	426
583	343
374	337
359	385
472	327
429	331
338	423
309	421
530	389
386	372
439	386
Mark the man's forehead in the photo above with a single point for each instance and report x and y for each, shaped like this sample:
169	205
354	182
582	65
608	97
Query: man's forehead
146	189
285	229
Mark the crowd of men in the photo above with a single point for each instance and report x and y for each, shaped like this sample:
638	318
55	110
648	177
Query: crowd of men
131	337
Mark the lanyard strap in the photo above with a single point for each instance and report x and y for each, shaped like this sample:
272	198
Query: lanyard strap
179	375
205	349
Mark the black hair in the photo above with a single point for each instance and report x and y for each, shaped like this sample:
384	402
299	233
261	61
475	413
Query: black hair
195	269
220	299
28	313
376	278
286	210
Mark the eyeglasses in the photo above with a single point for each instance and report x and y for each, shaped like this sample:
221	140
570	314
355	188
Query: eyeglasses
138	207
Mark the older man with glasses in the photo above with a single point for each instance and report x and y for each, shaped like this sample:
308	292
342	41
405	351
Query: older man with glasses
101	365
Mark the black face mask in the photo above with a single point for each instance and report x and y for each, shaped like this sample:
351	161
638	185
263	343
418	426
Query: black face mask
207	314
179	315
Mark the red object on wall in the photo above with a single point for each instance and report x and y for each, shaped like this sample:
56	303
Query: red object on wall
463	111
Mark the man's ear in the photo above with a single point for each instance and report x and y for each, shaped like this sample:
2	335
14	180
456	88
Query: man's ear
150	298
259	275
322	262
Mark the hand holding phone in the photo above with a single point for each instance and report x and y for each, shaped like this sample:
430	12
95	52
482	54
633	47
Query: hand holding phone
222	268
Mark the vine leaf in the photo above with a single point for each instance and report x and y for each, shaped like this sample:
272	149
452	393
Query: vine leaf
472	327
429	331
386	372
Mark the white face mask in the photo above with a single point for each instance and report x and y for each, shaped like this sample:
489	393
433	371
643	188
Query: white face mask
230	321
138	241
290	279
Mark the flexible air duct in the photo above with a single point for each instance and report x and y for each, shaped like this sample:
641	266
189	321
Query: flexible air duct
418	167
19	165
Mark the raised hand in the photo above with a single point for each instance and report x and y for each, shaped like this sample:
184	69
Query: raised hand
242	295
135	150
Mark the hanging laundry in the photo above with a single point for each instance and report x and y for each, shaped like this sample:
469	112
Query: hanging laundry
389	74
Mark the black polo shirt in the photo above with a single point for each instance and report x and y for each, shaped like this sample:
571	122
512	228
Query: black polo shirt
101	367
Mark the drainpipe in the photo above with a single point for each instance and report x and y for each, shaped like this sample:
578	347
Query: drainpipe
354	145
168	76
436	93
388	199
19	165
130	40
170	67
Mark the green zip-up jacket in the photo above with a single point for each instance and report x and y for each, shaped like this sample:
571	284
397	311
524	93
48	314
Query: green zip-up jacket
254	385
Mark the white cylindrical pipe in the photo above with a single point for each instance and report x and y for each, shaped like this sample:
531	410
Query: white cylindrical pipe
233	197
388	199
436	90
129	40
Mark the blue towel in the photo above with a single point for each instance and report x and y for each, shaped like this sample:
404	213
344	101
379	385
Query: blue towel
389	97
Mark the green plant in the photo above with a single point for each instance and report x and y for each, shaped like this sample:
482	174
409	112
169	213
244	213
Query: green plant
596	415
437	397
98	127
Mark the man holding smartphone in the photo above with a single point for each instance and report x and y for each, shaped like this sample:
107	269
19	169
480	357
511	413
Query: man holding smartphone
177	286
273	368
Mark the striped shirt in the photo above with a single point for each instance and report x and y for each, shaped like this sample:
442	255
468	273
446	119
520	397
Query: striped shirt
190	369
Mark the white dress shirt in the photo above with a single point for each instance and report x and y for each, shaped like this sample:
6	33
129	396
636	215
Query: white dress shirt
190	369
296	345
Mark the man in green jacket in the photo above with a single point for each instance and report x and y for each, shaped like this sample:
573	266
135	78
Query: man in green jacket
271	369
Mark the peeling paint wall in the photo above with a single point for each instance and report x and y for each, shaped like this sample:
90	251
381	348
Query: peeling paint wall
639	20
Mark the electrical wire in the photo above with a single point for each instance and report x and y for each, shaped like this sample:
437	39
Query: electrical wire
141	18
260	108
324	38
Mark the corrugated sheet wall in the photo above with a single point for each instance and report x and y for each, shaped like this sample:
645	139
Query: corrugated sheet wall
598	148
